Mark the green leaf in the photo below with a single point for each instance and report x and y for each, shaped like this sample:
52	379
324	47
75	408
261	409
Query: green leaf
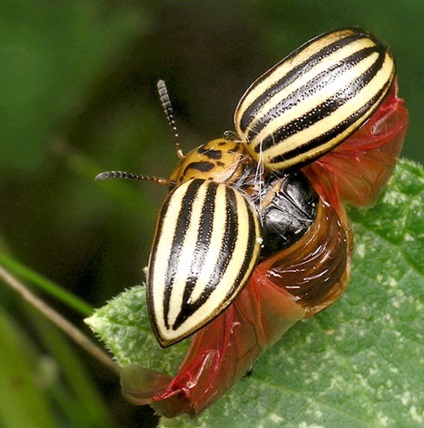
22	381
124	326
51	53
359	364
73	394
45	284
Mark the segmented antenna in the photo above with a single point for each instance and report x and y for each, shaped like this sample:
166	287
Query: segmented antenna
110	175
167	108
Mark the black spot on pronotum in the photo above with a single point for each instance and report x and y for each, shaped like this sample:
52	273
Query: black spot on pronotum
211	154
199	166
236	149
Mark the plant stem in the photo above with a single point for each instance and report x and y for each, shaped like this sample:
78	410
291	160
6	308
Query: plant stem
73	332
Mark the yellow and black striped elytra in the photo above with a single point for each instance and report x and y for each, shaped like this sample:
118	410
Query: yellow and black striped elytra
314	99
206	245
231	193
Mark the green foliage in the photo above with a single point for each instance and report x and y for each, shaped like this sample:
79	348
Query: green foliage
25	405
123	324
44	284
77	96
39	389
363	353
50	55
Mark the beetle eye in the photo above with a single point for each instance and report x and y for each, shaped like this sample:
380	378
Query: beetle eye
288	209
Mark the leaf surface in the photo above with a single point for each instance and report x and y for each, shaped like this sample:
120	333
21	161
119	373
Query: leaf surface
358	364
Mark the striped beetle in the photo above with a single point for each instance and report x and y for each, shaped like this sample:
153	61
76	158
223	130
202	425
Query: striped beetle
216	224
314	99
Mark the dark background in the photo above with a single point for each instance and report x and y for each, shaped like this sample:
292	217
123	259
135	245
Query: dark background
78	96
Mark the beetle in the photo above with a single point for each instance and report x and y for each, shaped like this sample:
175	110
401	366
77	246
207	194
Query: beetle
288	285
229	207
315	98
322	127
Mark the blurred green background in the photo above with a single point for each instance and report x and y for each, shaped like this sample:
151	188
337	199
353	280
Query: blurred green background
78	96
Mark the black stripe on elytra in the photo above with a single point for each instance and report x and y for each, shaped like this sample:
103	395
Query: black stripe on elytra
251	111
248	254
152	262
228	243
179	233
201	252
331	134
330	105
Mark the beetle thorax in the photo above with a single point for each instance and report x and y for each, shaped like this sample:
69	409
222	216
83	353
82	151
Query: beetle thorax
220	160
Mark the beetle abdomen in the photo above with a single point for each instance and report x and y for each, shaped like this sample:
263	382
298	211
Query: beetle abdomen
315	98
206	245
287	210
316	267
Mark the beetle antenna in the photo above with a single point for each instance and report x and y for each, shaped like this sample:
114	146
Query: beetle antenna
169	112
111	175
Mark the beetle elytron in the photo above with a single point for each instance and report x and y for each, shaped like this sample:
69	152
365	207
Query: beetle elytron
244	200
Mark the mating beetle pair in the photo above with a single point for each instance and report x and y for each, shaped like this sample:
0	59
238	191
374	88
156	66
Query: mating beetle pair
242	199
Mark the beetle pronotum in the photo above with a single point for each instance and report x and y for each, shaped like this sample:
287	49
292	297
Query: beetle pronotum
209	231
